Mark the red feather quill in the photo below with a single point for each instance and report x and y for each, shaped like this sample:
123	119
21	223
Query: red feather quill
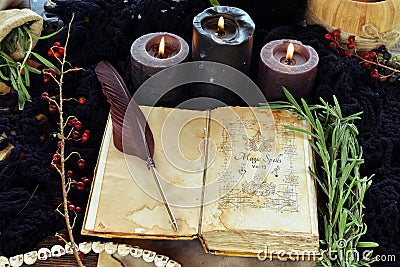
139	142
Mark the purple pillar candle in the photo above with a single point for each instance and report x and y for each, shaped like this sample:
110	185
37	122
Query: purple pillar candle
296	72
147	59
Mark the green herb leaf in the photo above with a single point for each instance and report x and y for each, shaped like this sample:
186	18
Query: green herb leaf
339	157
214	3
45	62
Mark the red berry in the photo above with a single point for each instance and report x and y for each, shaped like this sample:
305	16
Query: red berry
50	53
59	144
76	135
336	33
71	207
372	54
81	255
374	73
351	39
350	45
50	71
87	132
46	79
57	44
82	100
72	121
57	54
81	164
333	45
78	209
366	56
56	158
61	50
45	96
366	64
347	53
68	202
53	109
70	173
86	180
383	79
85	137
60	241
328	37
78	125
80	186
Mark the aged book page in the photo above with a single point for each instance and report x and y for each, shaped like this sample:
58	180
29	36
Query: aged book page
125	202
251	173
259	191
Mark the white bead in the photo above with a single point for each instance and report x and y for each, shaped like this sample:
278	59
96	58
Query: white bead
148	255
44	254
110	247
98	247
85	247
69	250
57	251
136	252
123	249
172	263
4	262
30	257
17	261
160	260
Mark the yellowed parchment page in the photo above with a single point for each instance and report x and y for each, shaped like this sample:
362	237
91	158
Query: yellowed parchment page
125	201
258	181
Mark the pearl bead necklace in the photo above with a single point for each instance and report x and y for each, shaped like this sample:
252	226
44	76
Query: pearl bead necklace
56	251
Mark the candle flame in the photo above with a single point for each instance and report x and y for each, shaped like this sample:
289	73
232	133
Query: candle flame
221	23
290	51
161	47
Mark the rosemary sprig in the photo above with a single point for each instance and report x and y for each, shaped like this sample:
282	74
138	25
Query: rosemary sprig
339	158
17	73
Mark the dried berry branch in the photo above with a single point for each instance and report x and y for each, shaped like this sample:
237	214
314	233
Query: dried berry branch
378	61
56	104
62	150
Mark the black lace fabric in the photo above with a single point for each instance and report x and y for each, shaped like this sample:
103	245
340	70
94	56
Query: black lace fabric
105	29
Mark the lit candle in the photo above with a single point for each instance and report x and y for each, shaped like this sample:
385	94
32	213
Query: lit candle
154	52
225	35
287	63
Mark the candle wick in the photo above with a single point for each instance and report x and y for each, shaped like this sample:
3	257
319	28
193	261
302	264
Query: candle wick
221	32
288	61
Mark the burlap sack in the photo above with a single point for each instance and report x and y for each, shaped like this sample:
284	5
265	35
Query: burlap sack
13	18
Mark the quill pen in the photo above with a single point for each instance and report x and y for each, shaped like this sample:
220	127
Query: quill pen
139	142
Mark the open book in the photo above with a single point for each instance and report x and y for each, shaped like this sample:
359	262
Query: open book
236	178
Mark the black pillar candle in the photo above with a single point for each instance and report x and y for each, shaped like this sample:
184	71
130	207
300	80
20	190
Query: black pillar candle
230	44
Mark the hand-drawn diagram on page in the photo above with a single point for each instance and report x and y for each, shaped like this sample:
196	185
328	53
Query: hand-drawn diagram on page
275	174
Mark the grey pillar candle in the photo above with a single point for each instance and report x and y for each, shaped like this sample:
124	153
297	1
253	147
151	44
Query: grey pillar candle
231	45
296	75
146	61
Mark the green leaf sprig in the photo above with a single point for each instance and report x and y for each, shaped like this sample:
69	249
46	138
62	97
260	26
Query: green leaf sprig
214	3
339	157
17	73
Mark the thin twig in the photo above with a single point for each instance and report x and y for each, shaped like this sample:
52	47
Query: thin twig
62	154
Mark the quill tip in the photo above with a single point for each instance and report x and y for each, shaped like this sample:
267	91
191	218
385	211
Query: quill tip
175	226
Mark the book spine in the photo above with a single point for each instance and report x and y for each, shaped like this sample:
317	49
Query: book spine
206	143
